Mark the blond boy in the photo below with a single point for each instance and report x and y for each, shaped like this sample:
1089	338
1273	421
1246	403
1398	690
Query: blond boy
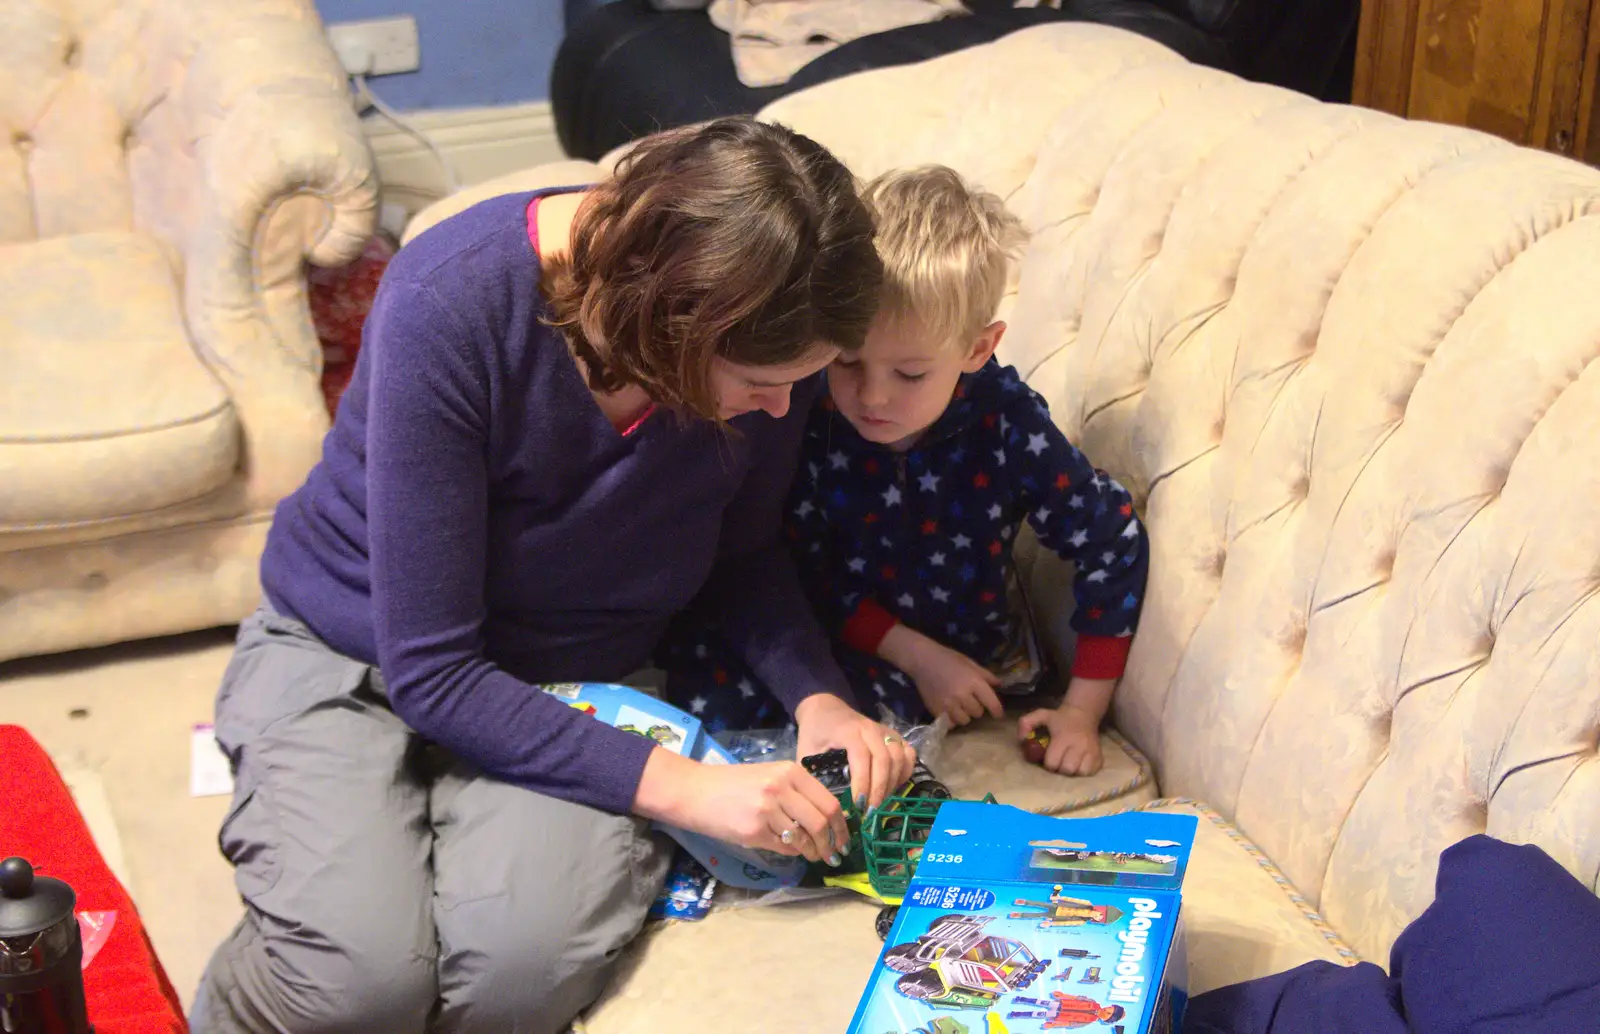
918	471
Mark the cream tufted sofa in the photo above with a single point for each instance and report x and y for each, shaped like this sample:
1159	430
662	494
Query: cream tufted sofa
166	167
1347	365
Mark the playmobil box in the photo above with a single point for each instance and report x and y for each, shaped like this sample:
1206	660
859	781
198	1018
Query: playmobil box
1016	922
631	710
638	712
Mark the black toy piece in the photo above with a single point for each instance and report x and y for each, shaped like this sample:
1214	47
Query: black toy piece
923	784
885	920
831	768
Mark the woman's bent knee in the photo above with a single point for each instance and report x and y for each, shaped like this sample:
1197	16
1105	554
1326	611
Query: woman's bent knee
534	968
256	983
533	907
533	979
348	993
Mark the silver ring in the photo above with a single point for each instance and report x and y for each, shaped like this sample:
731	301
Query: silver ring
787	836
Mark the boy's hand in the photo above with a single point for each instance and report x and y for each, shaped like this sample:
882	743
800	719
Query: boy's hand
1074	739
949	682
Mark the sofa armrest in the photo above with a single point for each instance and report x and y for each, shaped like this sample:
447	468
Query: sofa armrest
285	177
567	173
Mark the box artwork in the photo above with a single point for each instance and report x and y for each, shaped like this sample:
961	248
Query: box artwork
1016	922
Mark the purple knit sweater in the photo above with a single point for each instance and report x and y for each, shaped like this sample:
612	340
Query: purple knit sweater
476	524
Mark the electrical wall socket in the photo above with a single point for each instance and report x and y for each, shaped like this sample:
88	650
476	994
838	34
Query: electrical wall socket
377	46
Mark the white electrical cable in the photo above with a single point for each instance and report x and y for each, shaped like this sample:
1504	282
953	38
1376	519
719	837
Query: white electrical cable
452	184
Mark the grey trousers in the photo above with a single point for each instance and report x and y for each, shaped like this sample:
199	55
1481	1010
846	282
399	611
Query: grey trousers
390	887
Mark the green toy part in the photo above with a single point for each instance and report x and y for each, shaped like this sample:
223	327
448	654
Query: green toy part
887	843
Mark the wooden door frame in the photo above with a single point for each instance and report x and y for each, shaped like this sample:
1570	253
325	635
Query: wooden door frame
1563	115
1386	45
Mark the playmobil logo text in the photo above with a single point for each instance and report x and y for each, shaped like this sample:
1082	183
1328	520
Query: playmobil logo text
1127	986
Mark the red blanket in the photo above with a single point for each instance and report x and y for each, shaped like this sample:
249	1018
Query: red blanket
127	990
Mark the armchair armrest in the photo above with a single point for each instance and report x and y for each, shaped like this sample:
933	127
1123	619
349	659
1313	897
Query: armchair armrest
285	176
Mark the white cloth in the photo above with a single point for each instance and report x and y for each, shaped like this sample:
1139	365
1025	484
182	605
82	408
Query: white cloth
774	39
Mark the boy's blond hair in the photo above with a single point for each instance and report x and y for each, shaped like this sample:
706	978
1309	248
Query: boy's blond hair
946	247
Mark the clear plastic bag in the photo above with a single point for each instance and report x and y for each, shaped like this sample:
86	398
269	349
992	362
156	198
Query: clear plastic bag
780	744
758	745
95	929
926	740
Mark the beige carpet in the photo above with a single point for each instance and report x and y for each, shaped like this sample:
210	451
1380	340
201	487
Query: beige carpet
117	722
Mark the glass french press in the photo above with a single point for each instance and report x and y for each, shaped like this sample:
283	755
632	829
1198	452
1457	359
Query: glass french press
41	955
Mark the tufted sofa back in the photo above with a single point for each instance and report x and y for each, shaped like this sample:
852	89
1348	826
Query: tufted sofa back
78	80
106	106
1346	364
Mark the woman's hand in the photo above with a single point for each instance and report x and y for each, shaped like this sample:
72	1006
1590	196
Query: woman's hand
751	805
1074	748
949	682
880	760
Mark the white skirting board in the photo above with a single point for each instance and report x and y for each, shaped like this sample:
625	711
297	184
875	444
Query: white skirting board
480	144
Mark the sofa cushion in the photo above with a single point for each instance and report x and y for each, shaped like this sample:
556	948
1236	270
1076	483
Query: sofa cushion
105	410
985	757
1243	918
782	969
809	961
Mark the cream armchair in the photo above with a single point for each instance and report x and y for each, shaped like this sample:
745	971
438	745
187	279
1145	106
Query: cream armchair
166	168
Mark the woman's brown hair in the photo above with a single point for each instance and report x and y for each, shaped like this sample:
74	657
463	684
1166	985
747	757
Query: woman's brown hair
736	238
